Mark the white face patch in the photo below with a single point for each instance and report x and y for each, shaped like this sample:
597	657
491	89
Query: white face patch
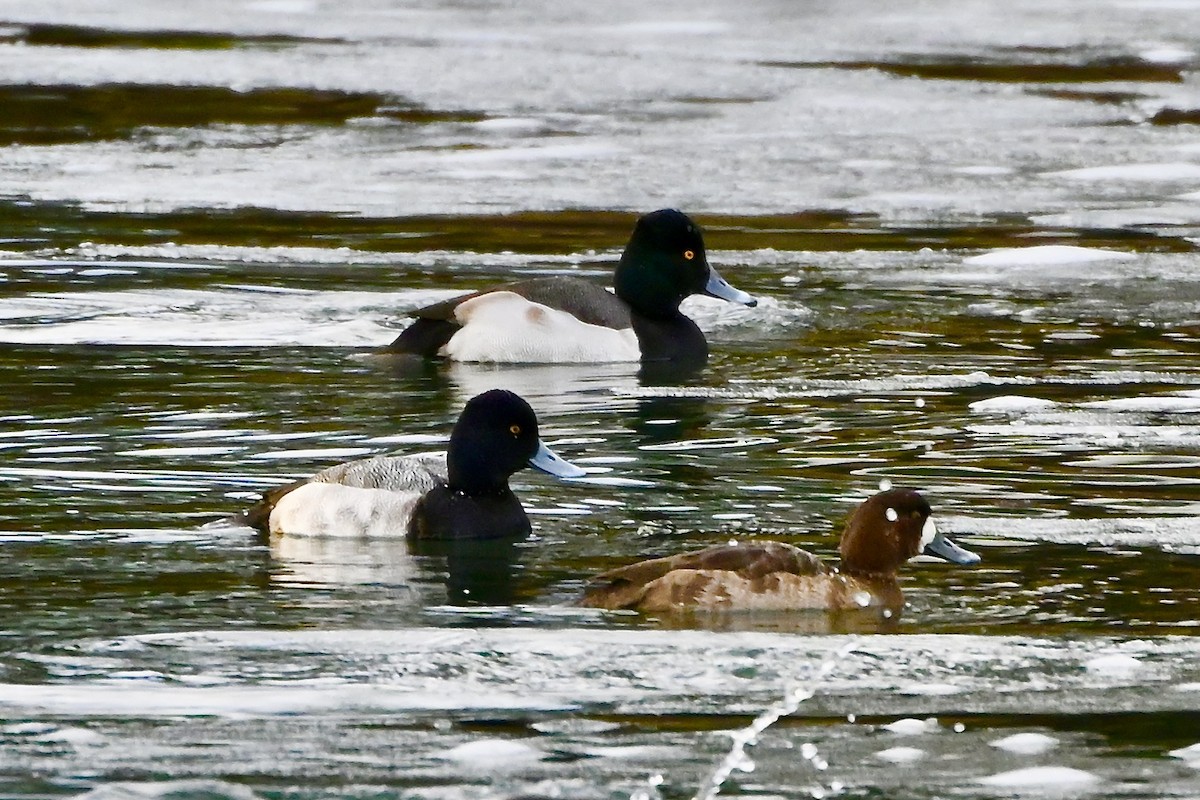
891	515
928	532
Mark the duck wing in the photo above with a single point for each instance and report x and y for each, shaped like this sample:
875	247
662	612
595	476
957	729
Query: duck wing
625	587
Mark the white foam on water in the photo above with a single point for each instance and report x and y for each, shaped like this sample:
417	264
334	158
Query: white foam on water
1028	744
1045	778
1047	254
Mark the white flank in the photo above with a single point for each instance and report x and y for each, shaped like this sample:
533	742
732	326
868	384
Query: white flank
331	509
504	327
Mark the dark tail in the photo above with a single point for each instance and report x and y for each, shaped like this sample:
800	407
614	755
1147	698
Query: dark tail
425	337
258	516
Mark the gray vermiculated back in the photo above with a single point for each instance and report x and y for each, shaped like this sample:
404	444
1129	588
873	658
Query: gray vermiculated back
418	473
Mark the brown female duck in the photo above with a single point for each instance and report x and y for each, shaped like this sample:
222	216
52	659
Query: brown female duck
882	534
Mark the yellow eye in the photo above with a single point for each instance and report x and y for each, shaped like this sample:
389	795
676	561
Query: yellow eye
689	255
915	514
515	430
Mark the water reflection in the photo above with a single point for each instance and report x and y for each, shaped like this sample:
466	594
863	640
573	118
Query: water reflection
426	572
552	389
663	420
476	571
313	561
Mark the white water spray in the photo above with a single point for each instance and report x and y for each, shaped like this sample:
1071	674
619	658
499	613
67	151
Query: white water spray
737	758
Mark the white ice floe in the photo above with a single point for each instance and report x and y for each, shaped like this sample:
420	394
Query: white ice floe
901	755
1045	255
912	727
1010	403
493	753
1026	744
1167	55
1190	754
73	737
1114	665
1048	778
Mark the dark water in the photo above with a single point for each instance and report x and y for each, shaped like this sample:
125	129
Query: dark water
973	232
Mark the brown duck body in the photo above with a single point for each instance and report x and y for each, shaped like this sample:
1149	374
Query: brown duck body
881	535
766	576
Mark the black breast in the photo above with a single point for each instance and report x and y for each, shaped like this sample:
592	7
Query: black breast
443	514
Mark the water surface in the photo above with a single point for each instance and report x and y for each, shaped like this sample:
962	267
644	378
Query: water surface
973	233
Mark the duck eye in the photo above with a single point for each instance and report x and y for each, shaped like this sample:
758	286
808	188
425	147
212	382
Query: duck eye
915	514
689	254
515	430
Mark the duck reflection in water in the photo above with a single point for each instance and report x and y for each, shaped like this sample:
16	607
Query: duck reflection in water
884	532
420	572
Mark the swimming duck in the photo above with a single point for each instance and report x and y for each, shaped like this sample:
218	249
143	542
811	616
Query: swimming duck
884	531
463	495
569	320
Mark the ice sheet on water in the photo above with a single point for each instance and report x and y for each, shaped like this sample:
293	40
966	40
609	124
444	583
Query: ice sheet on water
1168	533
253	314
170	790
429	670
227	316
1124	173
141	698
1185	401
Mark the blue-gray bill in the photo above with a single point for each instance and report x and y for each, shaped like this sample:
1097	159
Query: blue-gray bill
547	461
721	288
942	547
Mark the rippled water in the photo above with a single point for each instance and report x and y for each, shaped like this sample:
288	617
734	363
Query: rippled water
973	230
